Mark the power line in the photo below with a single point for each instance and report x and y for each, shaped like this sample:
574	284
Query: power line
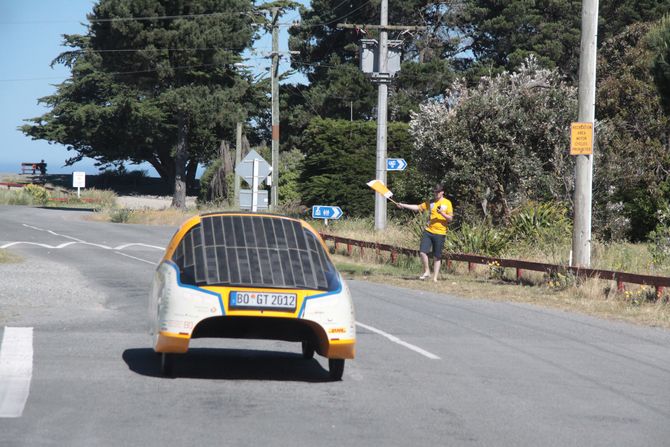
131	50
128	19
114	73
330	22
309	101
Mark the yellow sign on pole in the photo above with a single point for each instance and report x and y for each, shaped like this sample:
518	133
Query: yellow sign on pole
581	139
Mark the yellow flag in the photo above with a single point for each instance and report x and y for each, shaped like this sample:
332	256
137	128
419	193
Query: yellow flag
381	188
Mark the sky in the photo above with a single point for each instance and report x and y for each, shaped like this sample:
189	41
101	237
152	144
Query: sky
30	38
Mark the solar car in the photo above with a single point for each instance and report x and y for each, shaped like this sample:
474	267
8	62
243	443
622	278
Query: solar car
258	276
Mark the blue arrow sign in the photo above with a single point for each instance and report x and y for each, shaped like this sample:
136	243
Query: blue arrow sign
395	164
326	212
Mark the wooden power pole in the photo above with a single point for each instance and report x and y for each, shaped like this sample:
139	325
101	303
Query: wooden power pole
581	236
274	196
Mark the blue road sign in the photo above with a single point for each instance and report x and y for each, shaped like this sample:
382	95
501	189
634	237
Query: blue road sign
395	164
326	212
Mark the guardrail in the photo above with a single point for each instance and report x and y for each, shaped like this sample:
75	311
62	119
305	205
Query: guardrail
10	185
659	282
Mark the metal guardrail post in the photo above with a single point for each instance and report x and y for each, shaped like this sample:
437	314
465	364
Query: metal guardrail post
620	286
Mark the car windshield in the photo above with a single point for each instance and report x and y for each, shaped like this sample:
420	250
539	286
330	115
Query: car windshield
252	250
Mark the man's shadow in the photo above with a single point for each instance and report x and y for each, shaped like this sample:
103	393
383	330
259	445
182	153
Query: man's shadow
228	364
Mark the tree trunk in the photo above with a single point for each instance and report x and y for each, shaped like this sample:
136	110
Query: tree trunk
224	153
181	157
191	171
218	187
164	165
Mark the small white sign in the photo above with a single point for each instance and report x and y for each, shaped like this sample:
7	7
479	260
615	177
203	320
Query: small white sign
79	179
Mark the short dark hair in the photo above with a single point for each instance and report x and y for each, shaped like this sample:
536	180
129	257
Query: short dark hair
438	188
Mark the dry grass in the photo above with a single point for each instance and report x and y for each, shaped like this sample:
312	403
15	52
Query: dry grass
90	197
170	216
399	235
148	216
7	257
15	197
591	297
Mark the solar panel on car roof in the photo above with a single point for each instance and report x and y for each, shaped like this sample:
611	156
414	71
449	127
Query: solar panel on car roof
258	251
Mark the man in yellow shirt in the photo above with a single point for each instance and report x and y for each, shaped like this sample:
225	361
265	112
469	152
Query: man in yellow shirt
441	213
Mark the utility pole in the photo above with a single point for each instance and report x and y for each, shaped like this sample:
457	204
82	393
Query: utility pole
383	78
238	160
382	96
581	236
275	110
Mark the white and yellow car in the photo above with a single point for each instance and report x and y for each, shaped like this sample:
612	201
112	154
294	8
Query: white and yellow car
242	275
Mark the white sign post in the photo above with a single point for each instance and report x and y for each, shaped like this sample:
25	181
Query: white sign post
254	170
254	188
78	181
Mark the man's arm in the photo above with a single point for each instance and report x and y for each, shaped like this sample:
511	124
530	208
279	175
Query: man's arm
449	217
446	211
408	206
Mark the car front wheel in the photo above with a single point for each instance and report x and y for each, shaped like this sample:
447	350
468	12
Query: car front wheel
167	363
307	350
335	369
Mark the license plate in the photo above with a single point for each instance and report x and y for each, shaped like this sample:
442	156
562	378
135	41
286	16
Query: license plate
263	300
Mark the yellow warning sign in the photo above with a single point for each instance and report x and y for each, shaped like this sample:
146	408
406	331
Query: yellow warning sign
581	138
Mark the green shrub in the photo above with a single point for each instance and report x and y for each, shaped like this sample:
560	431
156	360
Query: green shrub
290	166
481	239
122	174
659	246
38	193
121	215
561	280
541	227
536	221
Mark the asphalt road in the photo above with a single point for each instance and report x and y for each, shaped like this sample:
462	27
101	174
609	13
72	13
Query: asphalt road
431	369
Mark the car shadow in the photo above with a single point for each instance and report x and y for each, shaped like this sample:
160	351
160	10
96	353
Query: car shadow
229	364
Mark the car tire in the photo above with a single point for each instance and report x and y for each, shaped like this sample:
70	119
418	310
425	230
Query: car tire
167	364
307	350
335	369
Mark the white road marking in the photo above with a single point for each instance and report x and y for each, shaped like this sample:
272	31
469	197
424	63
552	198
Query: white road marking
121	247
66	244
395	339
133	257
52	232
16	370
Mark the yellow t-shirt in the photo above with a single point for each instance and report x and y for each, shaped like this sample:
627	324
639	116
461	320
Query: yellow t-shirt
437	224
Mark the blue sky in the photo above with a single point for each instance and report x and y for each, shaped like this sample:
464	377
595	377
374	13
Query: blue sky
30	38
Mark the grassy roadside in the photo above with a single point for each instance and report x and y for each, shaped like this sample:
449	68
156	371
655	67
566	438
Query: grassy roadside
591	297
35	195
